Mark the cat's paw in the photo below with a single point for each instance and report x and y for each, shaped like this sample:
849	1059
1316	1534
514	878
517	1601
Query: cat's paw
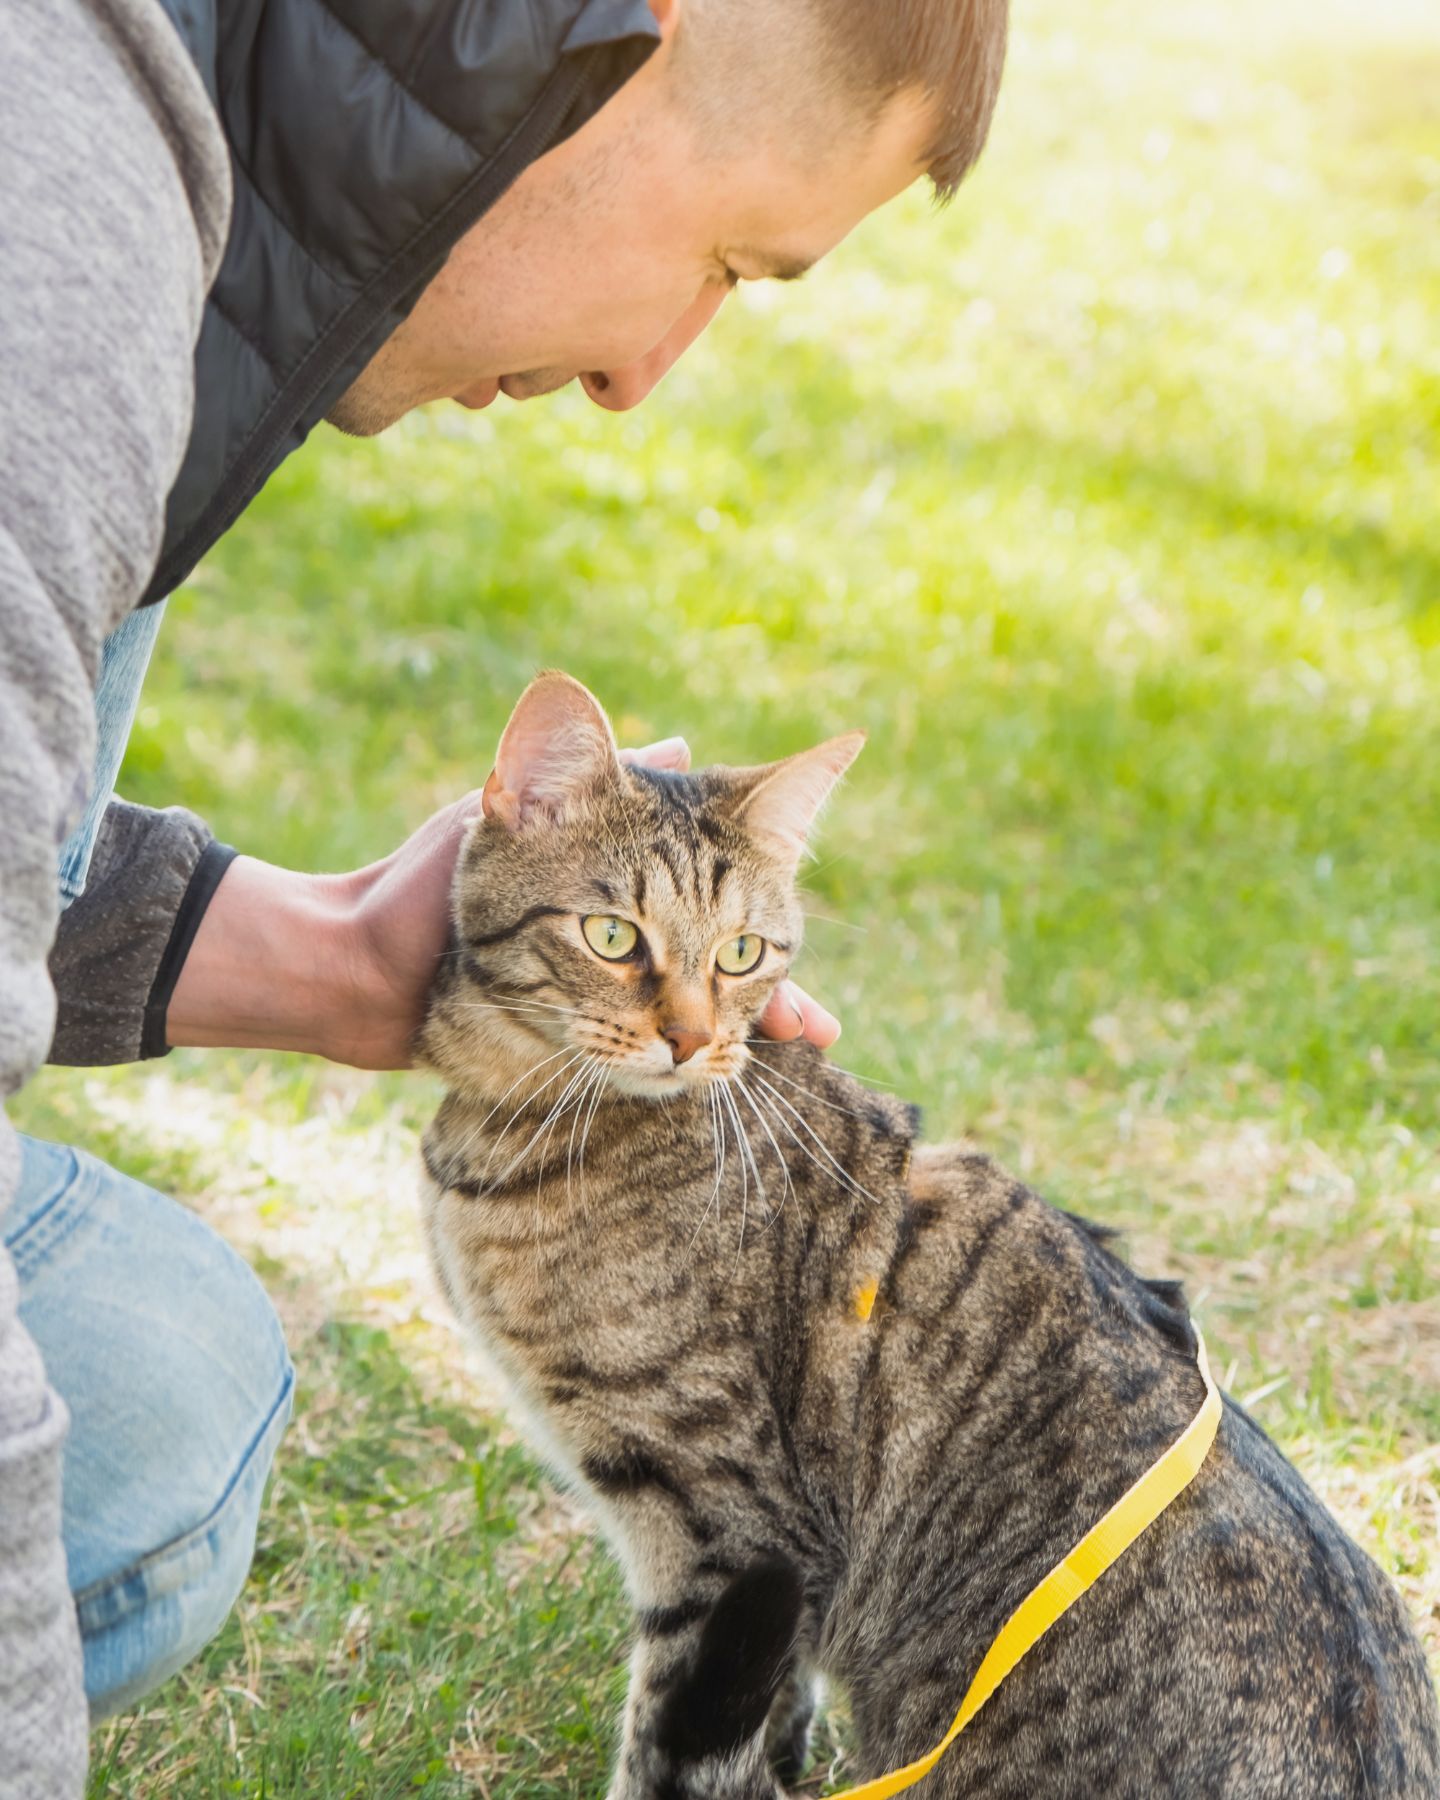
790	1754
788	1734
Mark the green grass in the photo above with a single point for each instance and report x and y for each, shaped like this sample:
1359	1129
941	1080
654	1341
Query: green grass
1105	501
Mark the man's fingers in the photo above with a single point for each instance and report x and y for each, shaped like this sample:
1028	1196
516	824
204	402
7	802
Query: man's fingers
669	753
792	1014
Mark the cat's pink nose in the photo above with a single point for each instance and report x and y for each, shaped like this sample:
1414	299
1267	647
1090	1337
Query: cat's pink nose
684	1043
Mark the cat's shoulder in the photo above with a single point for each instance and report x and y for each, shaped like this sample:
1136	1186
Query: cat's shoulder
831	1097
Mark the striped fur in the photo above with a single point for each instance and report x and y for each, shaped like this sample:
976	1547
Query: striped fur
666	1281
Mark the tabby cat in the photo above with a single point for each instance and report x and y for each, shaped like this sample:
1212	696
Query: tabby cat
839	1400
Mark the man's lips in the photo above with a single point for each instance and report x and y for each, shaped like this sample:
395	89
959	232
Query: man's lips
480	395
515	387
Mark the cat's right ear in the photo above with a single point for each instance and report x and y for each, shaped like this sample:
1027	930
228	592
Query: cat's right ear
557	749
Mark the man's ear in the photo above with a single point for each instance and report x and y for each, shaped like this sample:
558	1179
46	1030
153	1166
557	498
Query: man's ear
779	802
557	748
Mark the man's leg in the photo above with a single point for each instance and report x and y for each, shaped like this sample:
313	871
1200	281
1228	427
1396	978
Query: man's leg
171	1360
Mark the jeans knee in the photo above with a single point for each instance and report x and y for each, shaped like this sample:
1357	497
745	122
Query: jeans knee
141	1625
169	1355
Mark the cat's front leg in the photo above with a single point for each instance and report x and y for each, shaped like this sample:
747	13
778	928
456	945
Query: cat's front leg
702	1689
652	1766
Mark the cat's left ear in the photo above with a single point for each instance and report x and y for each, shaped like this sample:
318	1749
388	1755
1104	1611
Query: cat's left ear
782	800
558	748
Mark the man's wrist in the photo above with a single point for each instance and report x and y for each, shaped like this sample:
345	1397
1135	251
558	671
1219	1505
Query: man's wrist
275	965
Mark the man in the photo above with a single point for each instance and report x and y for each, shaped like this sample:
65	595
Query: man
220	221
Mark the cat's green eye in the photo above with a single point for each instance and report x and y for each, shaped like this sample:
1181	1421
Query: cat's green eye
610	937
741	954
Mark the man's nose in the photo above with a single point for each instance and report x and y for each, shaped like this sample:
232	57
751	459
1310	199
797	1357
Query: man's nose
617	390
685	1040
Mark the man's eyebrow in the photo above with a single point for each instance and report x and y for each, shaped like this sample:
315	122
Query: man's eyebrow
772	266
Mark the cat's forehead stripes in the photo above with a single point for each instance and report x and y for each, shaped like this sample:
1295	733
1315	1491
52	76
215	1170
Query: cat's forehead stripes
681	838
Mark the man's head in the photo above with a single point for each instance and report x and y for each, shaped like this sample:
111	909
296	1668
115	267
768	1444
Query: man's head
749	145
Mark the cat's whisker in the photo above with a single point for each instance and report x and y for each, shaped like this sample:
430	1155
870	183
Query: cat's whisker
754	1044
596	1075
839	1169
501	1135
722	1119
520	1006
576	1082
574	1127
819	865
747	1154
718	1151
475	1134
551	1117
520	1017
830	919
512	1006
546	1005
549	1122
750	1101
810	1094
721	1127
585	1113
574	1089
534	1069
868	1080
777	1098
804	1150
597	1093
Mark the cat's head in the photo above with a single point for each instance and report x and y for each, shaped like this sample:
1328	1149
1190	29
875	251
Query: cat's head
639	917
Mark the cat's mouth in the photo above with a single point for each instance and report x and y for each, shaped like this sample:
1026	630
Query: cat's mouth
645	1084
654	1081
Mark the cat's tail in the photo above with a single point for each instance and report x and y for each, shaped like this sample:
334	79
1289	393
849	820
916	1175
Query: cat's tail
712	1729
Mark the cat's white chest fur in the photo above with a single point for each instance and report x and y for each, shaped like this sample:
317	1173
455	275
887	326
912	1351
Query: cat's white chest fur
516	1386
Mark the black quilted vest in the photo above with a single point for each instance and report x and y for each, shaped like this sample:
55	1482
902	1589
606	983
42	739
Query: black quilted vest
365	137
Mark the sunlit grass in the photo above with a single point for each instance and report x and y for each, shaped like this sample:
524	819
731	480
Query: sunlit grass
1105	501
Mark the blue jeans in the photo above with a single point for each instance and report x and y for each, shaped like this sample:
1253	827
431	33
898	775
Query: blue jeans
124	658
172	1362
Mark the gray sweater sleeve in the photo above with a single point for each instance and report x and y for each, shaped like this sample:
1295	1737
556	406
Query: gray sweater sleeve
122	944
113	204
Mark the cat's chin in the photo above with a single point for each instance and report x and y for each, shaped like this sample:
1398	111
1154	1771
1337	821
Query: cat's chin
656	1084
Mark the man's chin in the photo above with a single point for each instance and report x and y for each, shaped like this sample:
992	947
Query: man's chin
535	382
363	415
368	407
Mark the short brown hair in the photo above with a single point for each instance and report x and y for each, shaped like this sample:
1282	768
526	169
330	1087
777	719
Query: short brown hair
856	55
952	51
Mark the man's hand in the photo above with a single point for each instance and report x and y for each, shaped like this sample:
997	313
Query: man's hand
340	965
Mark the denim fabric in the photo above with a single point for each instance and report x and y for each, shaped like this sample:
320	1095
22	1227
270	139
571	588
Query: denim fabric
174	1368
123	662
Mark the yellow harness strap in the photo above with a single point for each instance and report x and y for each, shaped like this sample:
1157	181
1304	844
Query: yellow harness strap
1102	1545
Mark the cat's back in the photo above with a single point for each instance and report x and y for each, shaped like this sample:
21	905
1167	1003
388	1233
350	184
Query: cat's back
1244	1646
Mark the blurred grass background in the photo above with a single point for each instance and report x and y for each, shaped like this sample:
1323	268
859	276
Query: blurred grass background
1106	502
